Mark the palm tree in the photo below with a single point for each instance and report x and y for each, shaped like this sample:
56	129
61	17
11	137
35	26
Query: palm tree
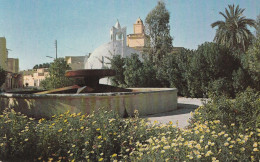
233	32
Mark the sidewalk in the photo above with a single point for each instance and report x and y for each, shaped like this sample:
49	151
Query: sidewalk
182	114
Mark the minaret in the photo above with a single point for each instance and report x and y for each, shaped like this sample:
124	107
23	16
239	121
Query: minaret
120	33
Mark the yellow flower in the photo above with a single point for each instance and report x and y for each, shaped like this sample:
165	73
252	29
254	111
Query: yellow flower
60	130
101	159
225	135
228	139
81	127
233	124
98	129
162	151
166	147
99	137
255	144
65	121
170	122
114	155
231	146
26	139
242	149
208	153
255	149
226	144
73	145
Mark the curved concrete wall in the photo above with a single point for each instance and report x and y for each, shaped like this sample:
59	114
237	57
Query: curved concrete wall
145	100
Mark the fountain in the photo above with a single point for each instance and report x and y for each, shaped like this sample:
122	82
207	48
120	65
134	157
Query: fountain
91	96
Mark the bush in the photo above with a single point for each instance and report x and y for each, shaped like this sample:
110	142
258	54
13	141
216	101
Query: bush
243	111
2	76
104	136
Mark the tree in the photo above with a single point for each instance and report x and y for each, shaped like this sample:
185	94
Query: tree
158	39
118	64
2	76
57	77
233	32
36	67
251	62
258	26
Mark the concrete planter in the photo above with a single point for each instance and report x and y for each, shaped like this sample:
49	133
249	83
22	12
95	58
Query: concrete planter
145	100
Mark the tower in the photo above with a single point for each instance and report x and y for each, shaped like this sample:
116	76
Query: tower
137	39
139	26
118	34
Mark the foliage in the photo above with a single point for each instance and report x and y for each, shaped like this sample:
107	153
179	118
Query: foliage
233	32
118	64
158	39
258	26
104	136
132	72
243	111
251	62
57	77
2	76
210	62
44	65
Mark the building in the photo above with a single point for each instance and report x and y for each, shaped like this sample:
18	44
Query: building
137	40
75	62
117	46
13	65
3	53
33	77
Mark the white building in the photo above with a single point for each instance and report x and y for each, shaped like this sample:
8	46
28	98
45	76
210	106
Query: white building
117	46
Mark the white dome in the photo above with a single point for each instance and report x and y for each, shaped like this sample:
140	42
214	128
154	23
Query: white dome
94	61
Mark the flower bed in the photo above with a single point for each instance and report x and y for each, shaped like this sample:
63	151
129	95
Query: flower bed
104	136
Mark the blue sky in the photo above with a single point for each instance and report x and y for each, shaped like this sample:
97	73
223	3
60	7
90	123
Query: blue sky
80	26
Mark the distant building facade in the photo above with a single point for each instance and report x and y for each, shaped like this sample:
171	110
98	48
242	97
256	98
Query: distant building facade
75	62
137	40
13	65
3	53
33	77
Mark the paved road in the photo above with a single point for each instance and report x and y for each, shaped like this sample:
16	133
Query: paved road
182	114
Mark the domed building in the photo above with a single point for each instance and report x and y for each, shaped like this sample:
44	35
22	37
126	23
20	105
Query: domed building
98	59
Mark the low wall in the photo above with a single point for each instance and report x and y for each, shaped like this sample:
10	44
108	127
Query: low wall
145	100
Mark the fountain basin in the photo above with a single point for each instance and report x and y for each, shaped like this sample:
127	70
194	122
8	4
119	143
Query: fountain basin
146	100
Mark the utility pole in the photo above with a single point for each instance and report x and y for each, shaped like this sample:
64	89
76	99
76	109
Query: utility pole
56	46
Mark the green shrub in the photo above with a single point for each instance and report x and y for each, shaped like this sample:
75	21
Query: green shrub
243	111
2	76
104	136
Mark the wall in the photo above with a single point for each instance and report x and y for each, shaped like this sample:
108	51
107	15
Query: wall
13	65
3	53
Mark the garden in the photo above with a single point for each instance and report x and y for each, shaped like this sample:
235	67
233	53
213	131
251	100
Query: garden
227	128
221	130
